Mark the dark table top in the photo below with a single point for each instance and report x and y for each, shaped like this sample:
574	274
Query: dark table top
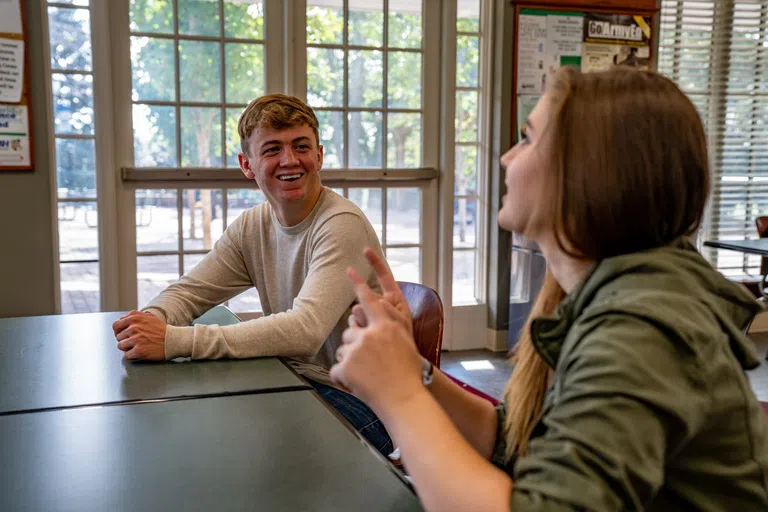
759	246
275	451
72	360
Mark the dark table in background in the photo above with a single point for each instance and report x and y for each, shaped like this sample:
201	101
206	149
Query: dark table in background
275	451
758	247
72	360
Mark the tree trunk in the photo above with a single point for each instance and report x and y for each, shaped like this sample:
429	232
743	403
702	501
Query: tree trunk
203	139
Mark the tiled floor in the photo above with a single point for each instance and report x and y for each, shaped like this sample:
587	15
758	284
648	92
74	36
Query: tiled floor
492	381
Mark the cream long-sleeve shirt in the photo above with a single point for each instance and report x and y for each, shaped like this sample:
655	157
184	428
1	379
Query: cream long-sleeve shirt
300	274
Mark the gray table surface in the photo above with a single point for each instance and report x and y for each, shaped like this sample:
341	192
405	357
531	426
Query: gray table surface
759	246
275	451
72	360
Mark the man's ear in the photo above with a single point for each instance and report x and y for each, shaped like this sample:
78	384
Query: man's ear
245	166
319	157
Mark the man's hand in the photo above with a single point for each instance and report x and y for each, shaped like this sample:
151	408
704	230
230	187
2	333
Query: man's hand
141	336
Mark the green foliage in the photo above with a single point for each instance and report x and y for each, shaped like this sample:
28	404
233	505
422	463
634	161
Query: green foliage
200	78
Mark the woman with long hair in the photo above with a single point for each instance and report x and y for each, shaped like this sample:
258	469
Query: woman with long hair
629	390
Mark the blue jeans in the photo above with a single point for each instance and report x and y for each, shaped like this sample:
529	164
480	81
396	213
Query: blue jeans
358	414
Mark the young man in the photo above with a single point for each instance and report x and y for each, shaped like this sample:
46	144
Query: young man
295	249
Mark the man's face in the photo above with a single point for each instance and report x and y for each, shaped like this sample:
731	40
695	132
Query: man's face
285	163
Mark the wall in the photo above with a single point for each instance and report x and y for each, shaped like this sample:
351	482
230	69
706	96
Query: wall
26	238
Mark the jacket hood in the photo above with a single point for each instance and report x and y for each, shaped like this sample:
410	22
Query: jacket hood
661	284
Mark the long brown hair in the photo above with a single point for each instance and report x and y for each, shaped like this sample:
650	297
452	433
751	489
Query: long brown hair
627	158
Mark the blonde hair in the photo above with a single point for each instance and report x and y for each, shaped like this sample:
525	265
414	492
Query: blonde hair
629	172
276	111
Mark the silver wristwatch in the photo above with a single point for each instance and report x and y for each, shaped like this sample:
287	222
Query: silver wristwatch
426	372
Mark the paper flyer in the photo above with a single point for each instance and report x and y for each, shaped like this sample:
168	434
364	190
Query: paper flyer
564	39
599	57
525	105
615	40
531	54
11	70
10	17
14	136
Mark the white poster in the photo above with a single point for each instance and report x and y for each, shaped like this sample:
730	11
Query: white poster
10	17
14	136
531	54
564	35
600	57
11	70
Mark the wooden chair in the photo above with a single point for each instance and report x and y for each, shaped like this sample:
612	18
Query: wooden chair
427	314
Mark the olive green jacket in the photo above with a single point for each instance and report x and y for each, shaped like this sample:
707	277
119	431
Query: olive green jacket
650	408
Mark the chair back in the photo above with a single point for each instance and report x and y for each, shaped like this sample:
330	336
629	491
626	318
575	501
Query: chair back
761	223
427	314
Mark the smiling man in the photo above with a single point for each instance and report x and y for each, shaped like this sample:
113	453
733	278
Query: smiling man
295	249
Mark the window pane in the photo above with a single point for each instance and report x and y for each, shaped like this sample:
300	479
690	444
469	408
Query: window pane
468	16
245	72
244	19
467	61
464	222
200	71
403	216
71	2
75	168
191	261
331	131
404	24
405	264
79	288
157	220
154	16
404	80
153	66
464	277
465	180
202	218
466	116
325	77
70	36
199	17
240	200
404	140
233	137
78	231
366	22
325	21
246	302
73	103
200	137
154	136
366	89
365	139
154	274
369	200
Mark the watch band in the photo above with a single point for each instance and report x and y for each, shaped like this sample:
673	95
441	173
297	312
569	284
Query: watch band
427	371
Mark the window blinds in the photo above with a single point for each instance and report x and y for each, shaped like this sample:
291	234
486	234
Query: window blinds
717	52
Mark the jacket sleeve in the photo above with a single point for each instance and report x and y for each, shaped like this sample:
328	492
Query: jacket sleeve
627	394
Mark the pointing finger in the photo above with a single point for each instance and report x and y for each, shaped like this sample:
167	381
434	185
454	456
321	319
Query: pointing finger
387	280
369	300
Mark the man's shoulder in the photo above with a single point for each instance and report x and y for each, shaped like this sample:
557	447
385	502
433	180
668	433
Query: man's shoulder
337	211
335	204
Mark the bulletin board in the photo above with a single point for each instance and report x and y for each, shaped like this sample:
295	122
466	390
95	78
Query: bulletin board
15	133
589	37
